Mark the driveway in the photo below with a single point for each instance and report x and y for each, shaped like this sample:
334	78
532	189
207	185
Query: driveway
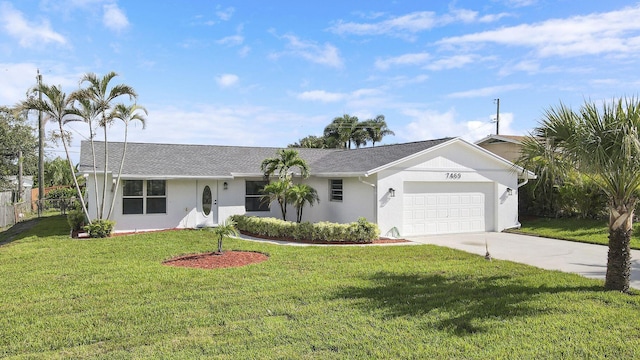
585	259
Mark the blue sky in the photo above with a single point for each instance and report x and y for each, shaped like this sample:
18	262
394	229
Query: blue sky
267	73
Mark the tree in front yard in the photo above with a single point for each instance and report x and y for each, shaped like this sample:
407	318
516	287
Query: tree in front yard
57	107
278	191
224	230
300	195
282	164
602	142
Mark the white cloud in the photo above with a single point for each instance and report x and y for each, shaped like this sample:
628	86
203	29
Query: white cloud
599	33
430	124
322	96
231	40
487	91
17	78
452	62
326	97
114	18
408	25
406	59
225	14
227	80
326	54
29	34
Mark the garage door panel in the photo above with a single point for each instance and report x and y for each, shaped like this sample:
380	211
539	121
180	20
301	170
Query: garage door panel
440	208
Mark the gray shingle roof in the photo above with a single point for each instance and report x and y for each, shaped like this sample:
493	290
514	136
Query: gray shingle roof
179	160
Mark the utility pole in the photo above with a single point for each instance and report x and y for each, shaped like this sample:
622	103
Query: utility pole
40	149
497	101
19	197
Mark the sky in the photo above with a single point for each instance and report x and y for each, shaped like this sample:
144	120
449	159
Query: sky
267	73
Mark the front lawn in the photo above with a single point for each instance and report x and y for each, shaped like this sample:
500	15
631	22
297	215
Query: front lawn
582	230
112	298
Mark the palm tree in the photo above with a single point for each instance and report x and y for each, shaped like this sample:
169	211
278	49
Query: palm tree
377	129
89	112
302	194
283	162
344	129
128	114
56	106
278	191
102	96
604	144
224	230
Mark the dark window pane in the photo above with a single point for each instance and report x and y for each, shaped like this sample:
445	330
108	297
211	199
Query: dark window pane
132	188
132	206
206	200
156	187
255	204
335	191
156	205
255	187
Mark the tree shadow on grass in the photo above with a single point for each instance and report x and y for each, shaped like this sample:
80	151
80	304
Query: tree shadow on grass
39	227
457	303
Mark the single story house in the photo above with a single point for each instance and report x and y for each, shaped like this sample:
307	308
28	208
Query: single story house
427	187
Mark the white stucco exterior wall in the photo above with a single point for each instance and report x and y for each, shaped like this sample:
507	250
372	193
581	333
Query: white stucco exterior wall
475	168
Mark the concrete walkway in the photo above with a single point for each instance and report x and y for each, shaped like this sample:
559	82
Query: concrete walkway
585	259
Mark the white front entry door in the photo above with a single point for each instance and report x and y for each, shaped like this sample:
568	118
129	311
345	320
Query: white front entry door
207	203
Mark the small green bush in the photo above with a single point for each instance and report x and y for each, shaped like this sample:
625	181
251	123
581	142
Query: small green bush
76	219
360	231
100	228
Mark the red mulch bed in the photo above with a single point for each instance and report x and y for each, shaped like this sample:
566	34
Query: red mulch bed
217	261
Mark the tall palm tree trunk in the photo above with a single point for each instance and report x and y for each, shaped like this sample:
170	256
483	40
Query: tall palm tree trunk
106	166
73	174
619	255
117	186
95	171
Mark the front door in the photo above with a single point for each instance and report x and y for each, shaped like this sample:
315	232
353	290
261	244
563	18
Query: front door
207	203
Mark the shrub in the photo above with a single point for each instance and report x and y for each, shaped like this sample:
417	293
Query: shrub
360	231
100	228
76	219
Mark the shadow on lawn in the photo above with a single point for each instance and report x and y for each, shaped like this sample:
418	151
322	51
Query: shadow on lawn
40	227
459	303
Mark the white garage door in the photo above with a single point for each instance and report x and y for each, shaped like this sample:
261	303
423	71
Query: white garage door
445	208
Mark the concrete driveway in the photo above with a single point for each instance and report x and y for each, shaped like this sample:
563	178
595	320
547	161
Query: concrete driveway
584	259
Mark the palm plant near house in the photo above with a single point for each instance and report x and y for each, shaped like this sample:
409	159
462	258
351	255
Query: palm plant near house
224	230
101	95
88	112
300	195
283	162
604	144
278	191
127	114
57	107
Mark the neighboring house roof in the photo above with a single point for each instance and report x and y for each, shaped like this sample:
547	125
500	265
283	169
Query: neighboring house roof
180	160
514	139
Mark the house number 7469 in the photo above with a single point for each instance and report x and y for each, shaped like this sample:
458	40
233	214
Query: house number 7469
454	176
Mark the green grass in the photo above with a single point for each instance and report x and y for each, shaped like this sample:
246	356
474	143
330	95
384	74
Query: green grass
113	299
581	230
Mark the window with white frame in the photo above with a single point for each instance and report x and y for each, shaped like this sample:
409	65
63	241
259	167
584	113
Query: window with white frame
144	197
335	189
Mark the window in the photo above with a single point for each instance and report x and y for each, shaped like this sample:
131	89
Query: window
253	198
144	197
207	200
335	189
